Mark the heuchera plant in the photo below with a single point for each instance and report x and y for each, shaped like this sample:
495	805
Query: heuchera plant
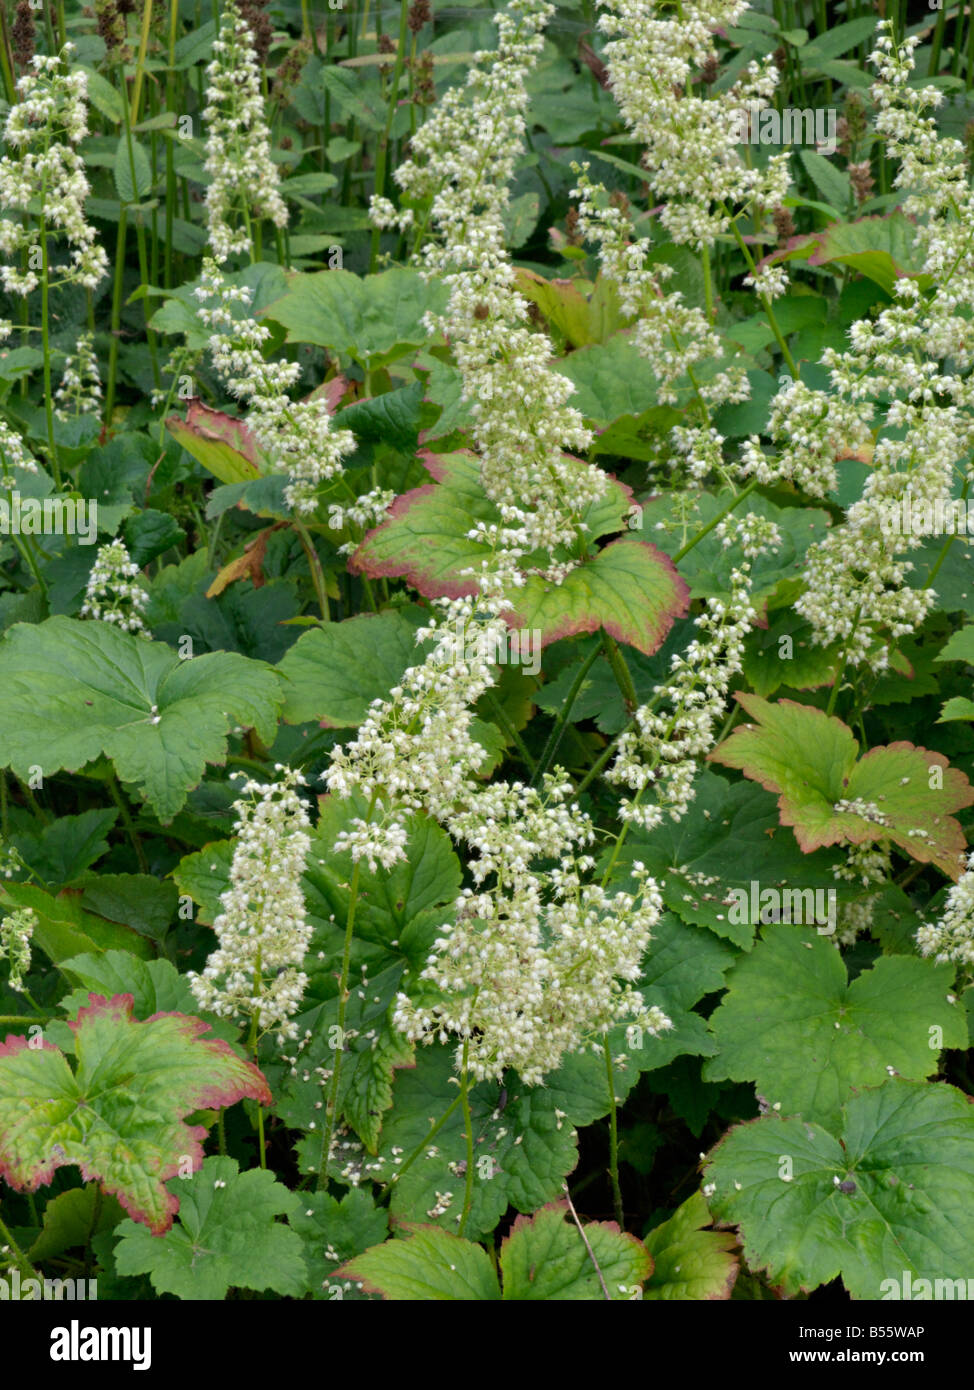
485	648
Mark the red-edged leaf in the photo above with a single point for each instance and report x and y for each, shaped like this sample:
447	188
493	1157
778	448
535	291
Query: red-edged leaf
119	1115
629	587
905	794
221	443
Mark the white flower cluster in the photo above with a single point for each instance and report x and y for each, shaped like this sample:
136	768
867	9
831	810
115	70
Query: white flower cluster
263	931
243	175
295	435
16	931
10	860
952	938
80	390
46	178
754	534
525	980
676	338
917	354
691	158
366	510
538	960
662	751
868	864
415	748
113	593
532	965
13	455
811	430
461	163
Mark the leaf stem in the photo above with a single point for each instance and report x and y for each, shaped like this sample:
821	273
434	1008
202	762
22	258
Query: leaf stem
613	1136
557	732
468	1133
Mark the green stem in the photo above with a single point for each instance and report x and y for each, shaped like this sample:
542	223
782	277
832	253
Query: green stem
498	712
715	521
840	668
420	1148
33	803
20	1259
468	1133
621	672
260	1135
613	1136
314	565
46	349
382	153
140	61
555	737
116	319
119	800
343	995
766	305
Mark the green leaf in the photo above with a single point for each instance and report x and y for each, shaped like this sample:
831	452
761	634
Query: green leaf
690	1263
102	95
793	1024
120	1116
333	673
959	707
520	218
881	248
76	690
150	533
728	839
907	1149
226	1237
709	565
611	379
523	1148
350	92
784	654
140	901
838	40
832	183
392	418
809	757
428	1265
222	444
155	986
59	852
72	1218
373	1050
133	172
960	647
630	589
374	320
333	1231
194	47
545	1259
63	927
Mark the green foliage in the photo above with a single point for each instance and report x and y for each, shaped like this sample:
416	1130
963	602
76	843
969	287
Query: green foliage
888	1189
804	1118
